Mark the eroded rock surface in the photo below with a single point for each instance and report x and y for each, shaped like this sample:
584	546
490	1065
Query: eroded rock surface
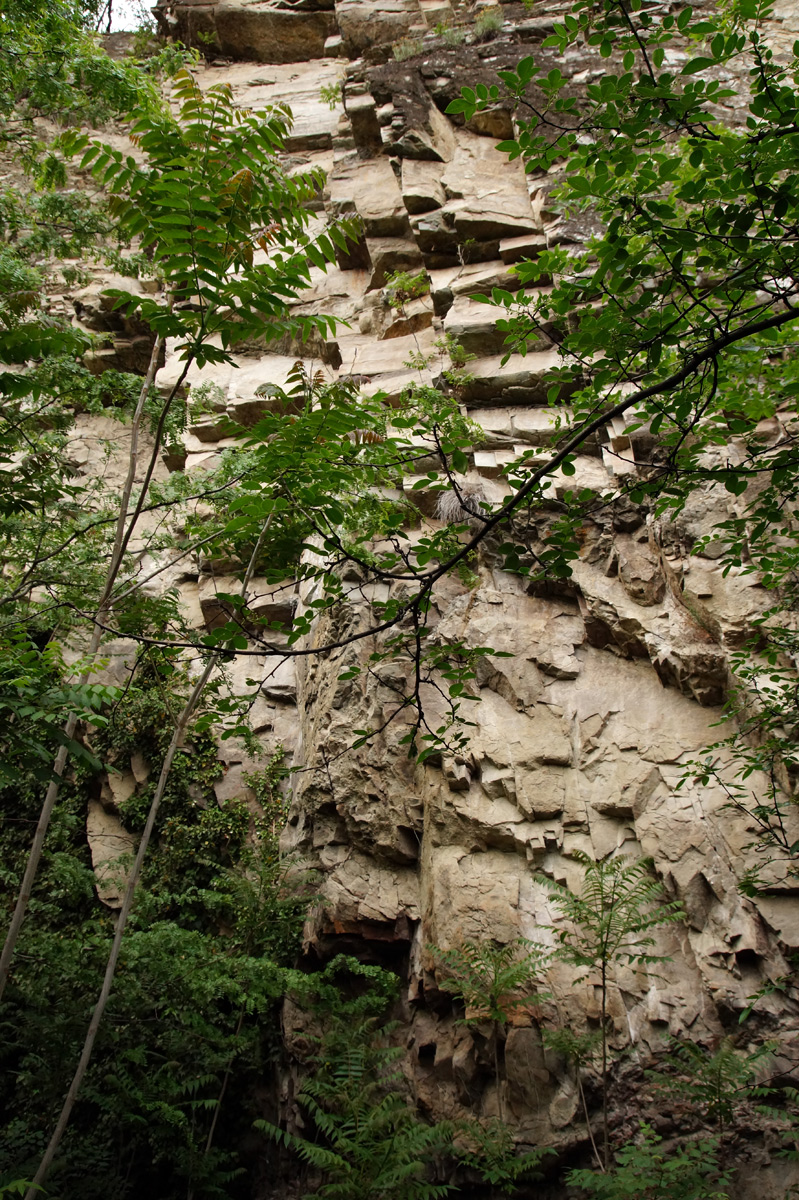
582	738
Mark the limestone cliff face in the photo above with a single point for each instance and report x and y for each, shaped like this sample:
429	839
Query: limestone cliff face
580	739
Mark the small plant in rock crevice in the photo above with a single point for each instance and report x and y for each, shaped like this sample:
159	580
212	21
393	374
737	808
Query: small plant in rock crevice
456	375
488	23
330	94
209	44
452	36
402	286
407	48
458	355
467	250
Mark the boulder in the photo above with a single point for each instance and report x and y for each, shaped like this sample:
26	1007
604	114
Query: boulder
362	112
111	848
262	31
501	217
268	603
522	380
431	137
495	122
640	572
364	24
435	237
388	254
474	327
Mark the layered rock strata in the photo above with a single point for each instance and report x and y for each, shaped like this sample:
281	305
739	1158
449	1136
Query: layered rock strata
581	738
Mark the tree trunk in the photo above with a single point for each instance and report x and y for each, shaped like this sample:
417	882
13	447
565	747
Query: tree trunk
605	1129
127	903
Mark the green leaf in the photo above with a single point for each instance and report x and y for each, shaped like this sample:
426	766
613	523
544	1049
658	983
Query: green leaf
696	65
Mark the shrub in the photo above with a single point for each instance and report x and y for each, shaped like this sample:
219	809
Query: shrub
404	285
407	48
488	22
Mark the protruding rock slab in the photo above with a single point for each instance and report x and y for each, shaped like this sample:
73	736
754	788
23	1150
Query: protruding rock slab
268	603
422	189
362	112
371	190
522	380
254	30
391	254
368	23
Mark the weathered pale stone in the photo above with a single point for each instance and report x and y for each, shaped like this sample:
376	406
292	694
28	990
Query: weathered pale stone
520	380
111	847
411	318
640	572
279	680
522	247
435	235
364	24
503	217
371	190
422	189
362	112
116	789
389	254
474	327
433	139
539	426
580	740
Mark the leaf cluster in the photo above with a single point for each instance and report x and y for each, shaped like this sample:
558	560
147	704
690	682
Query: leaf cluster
489	978
619	903
648	1169
368	1141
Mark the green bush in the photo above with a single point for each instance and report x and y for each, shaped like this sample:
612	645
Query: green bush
192	1007
370	1143
649	1170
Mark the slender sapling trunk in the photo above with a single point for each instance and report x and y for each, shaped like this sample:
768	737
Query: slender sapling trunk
51	795
127	903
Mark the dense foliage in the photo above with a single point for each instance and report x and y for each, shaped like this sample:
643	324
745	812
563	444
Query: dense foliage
192	1006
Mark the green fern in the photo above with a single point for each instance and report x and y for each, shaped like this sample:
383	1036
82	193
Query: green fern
371	1144
495	982
645	1170
619	903
488	1148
